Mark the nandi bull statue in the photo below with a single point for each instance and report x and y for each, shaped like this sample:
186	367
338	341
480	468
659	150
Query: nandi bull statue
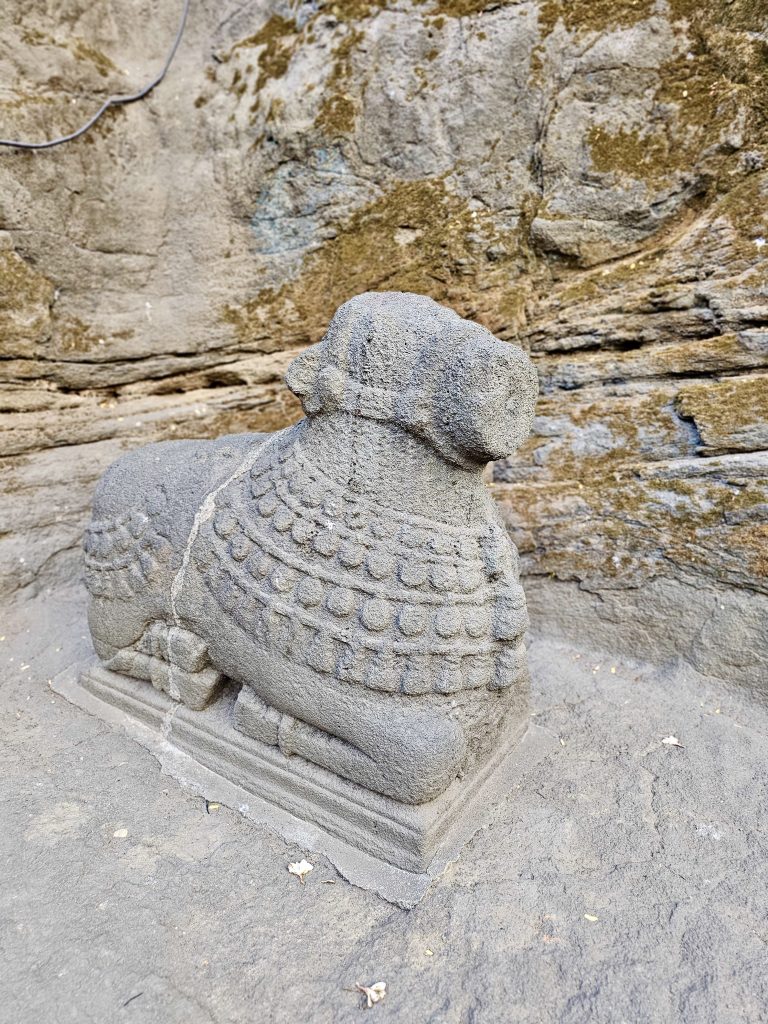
349	574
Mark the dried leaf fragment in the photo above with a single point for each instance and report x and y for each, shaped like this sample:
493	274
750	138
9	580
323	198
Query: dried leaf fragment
373	993
300	869
672	741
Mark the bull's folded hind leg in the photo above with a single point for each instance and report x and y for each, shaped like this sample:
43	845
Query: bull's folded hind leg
172	659
254	717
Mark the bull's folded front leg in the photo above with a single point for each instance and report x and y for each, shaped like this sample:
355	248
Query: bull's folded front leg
381	741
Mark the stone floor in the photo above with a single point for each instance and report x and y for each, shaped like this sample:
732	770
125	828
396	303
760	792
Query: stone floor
625	881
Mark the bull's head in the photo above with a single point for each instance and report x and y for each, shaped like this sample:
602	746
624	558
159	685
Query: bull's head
404	359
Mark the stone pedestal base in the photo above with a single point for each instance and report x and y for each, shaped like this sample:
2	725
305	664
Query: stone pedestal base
377	843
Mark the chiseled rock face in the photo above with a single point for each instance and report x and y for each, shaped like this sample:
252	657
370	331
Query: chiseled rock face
351	571
587	180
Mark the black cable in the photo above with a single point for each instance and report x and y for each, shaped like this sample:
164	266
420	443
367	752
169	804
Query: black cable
113	101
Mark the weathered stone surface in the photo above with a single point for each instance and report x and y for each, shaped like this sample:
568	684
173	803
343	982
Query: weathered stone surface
586	179
350	574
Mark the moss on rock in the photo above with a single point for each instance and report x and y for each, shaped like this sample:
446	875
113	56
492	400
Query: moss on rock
337	109
592	15
419	236
26	296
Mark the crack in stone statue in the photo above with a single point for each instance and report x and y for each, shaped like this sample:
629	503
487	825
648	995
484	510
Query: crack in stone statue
350	573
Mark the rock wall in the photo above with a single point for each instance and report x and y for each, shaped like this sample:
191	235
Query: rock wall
585	178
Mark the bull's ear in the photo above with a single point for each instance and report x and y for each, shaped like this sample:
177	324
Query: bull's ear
301	375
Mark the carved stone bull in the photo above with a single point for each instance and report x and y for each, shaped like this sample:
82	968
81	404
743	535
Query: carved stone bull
350	572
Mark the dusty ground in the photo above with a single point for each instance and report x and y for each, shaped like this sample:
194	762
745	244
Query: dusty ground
624	882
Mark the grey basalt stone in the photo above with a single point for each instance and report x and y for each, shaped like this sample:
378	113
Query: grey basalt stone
350	574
